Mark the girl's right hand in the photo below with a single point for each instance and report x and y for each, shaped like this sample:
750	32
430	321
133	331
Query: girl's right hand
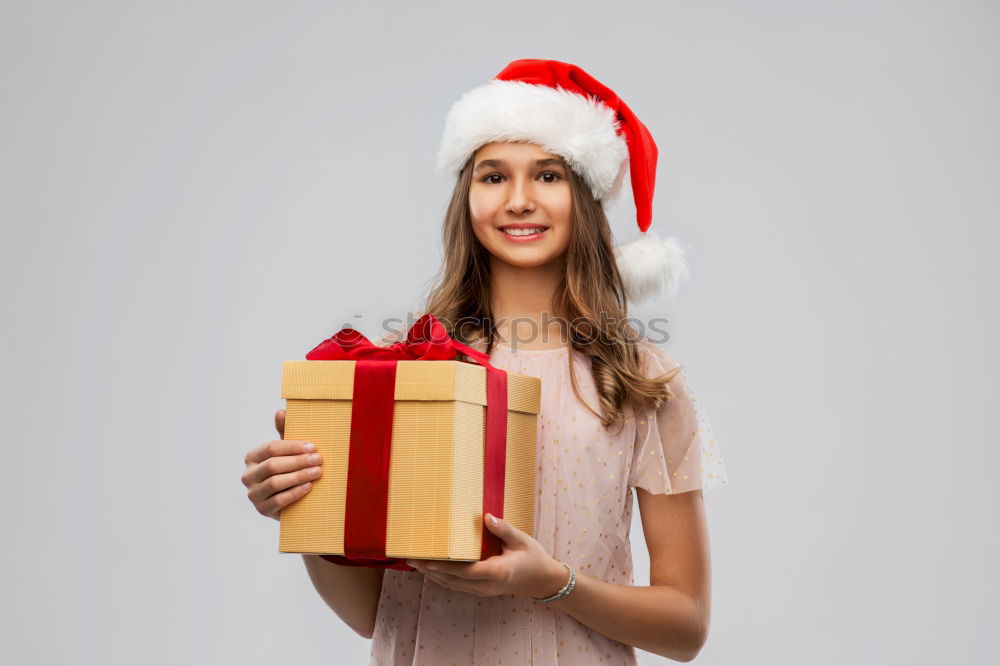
280	472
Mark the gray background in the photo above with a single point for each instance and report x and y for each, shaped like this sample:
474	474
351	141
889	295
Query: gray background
194	192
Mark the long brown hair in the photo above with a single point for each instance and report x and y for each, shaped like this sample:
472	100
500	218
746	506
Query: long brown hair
590	298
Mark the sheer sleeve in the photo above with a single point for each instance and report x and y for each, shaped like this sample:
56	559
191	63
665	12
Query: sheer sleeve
675	449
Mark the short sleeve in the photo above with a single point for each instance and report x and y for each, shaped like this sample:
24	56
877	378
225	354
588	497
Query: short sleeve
675	449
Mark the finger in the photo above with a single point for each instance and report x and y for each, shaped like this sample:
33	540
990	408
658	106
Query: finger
279	422
277	447
463	570
435	579
262	491
273	505
280	465
451	582
509	534
457	584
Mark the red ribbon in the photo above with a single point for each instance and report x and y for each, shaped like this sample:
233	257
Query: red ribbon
365	516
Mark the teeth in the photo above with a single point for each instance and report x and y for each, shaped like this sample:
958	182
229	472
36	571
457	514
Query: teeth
522	232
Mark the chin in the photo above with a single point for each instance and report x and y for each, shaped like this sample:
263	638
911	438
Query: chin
527	259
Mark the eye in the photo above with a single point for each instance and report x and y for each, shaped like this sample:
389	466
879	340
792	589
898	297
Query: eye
553	177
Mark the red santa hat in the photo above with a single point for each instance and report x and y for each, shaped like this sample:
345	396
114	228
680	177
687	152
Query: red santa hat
571	114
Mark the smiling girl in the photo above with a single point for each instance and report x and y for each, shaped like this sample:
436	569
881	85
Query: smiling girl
531	277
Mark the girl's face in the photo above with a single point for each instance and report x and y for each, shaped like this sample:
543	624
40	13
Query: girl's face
520	203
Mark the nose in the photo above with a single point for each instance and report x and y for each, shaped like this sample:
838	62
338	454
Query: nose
521	198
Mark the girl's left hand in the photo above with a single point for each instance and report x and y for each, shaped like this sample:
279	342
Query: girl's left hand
524	568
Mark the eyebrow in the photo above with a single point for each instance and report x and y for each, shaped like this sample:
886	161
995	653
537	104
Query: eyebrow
497	164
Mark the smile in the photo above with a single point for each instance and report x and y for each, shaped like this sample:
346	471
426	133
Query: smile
523	233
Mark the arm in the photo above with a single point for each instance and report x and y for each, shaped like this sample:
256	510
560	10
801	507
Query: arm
351	592
671	616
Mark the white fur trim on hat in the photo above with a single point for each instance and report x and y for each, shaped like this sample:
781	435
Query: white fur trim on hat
651	267
580	129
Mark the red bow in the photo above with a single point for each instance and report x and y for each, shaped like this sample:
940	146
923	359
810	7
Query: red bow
427	340
371	433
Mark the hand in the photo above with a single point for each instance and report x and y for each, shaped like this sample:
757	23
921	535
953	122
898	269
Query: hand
524	567
280	472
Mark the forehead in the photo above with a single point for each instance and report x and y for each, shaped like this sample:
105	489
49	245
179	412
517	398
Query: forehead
513	150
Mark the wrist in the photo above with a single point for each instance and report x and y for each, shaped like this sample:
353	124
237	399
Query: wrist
555	579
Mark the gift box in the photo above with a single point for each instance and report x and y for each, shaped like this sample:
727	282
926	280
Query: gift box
419	439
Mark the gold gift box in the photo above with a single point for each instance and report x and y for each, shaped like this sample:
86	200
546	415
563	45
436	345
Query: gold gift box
435	491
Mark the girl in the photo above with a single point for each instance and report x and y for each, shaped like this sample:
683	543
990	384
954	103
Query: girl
531	277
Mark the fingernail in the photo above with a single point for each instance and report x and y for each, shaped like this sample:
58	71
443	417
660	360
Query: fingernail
310	446
315	458
494	520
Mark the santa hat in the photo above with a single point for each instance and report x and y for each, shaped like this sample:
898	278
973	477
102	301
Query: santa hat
571	114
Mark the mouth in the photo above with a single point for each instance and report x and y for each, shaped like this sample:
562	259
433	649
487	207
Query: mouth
523	234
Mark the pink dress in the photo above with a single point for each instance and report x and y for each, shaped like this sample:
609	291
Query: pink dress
583	514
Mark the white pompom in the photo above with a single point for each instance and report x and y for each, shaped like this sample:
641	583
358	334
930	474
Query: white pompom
651	266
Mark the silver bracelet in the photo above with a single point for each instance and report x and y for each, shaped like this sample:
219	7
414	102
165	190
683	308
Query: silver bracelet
566	589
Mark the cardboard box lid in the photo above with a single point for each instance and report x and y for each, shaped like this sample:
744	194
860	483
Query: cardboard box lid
415	380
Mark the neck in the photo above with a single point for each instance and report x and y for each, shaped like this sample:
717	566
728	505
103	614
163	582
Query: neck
525	295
